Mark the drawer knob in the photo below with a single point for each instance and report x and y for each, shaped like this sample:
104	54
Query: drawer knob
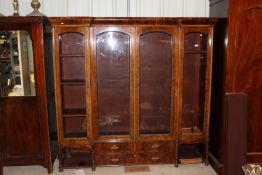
196	45
155	146
155	158
114	147
114	160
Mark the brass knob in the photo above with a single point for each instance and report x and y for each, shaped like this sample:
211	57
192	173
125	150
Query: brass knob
114	160
114	147
155	146
155	158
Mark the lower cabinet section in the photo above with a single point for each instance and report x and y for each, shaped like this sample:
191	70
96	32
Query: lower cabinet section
126	153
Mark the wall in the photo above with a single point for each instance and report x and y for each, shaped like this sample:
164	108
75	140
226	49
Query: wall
144	8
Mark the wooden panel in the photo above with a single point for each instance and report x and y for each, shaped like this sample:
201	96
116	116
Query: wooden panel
113	159
113	147
244	65
157	146
236	125
162	157
21	126
248	72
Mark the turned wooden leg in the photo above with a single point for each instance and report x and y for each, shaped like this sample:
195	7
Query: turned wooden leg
176	154
1	170
60	158
206	152
93	160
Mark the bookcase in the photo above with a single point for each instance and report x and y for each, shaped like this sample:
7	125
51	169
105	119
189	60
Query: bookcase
132	90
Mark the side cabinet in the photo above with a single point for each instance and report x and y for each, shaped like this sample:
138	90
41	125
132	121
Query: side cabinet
72	84
195	92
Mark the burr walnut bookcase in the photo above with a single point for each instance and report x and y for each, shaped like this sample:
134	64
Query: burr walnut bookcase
132	90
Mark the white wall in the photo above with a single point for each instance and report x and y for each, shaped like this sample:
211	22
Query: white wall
143	8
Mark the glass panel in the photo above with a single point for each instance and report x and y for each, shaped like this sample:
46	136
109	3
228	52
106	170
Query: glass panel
155	61
74	100
73	69
73	87
113	61
16	64
74	126
194	80
71	44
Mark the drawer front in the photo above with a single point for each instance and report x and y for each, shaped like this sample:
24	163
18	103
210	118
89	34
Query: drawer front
114	159
135	159
114	147
162	157
158	146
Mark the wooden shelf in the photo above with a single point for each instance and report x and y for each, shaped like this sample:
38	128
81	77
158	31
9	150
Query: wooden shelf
73	55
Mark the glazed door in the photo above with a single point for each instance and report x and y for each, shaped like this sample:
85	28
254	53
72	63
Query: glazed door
155	71
112	62
72	86
196	70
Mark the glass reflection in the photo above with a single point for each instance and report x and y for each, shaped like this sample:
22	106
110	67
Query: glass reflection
16	64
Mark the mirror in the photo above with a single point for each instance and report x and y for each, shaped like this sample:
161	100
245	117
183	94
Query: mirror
16	64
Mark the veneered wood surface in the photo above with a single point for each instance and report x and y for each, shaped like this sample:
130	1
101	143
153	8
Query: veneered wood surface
21	128
35	110
244	66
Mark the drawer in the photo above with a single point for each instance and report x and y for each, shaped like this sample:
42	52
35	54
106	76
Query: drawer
135	158
162	157
167	146
114	159
114	147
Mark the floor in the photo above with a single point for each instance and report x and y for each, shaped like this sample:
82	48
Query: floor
189	169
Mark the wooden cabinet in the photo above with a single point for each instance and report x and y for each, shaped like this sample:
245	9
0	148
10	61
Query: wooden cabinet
196	66
242	75
25	111
73	98
144	89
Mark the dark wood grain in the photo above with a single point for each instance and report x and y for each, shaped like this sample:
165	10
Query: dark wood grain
244	65
27	115
21	126
90	21
243	68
